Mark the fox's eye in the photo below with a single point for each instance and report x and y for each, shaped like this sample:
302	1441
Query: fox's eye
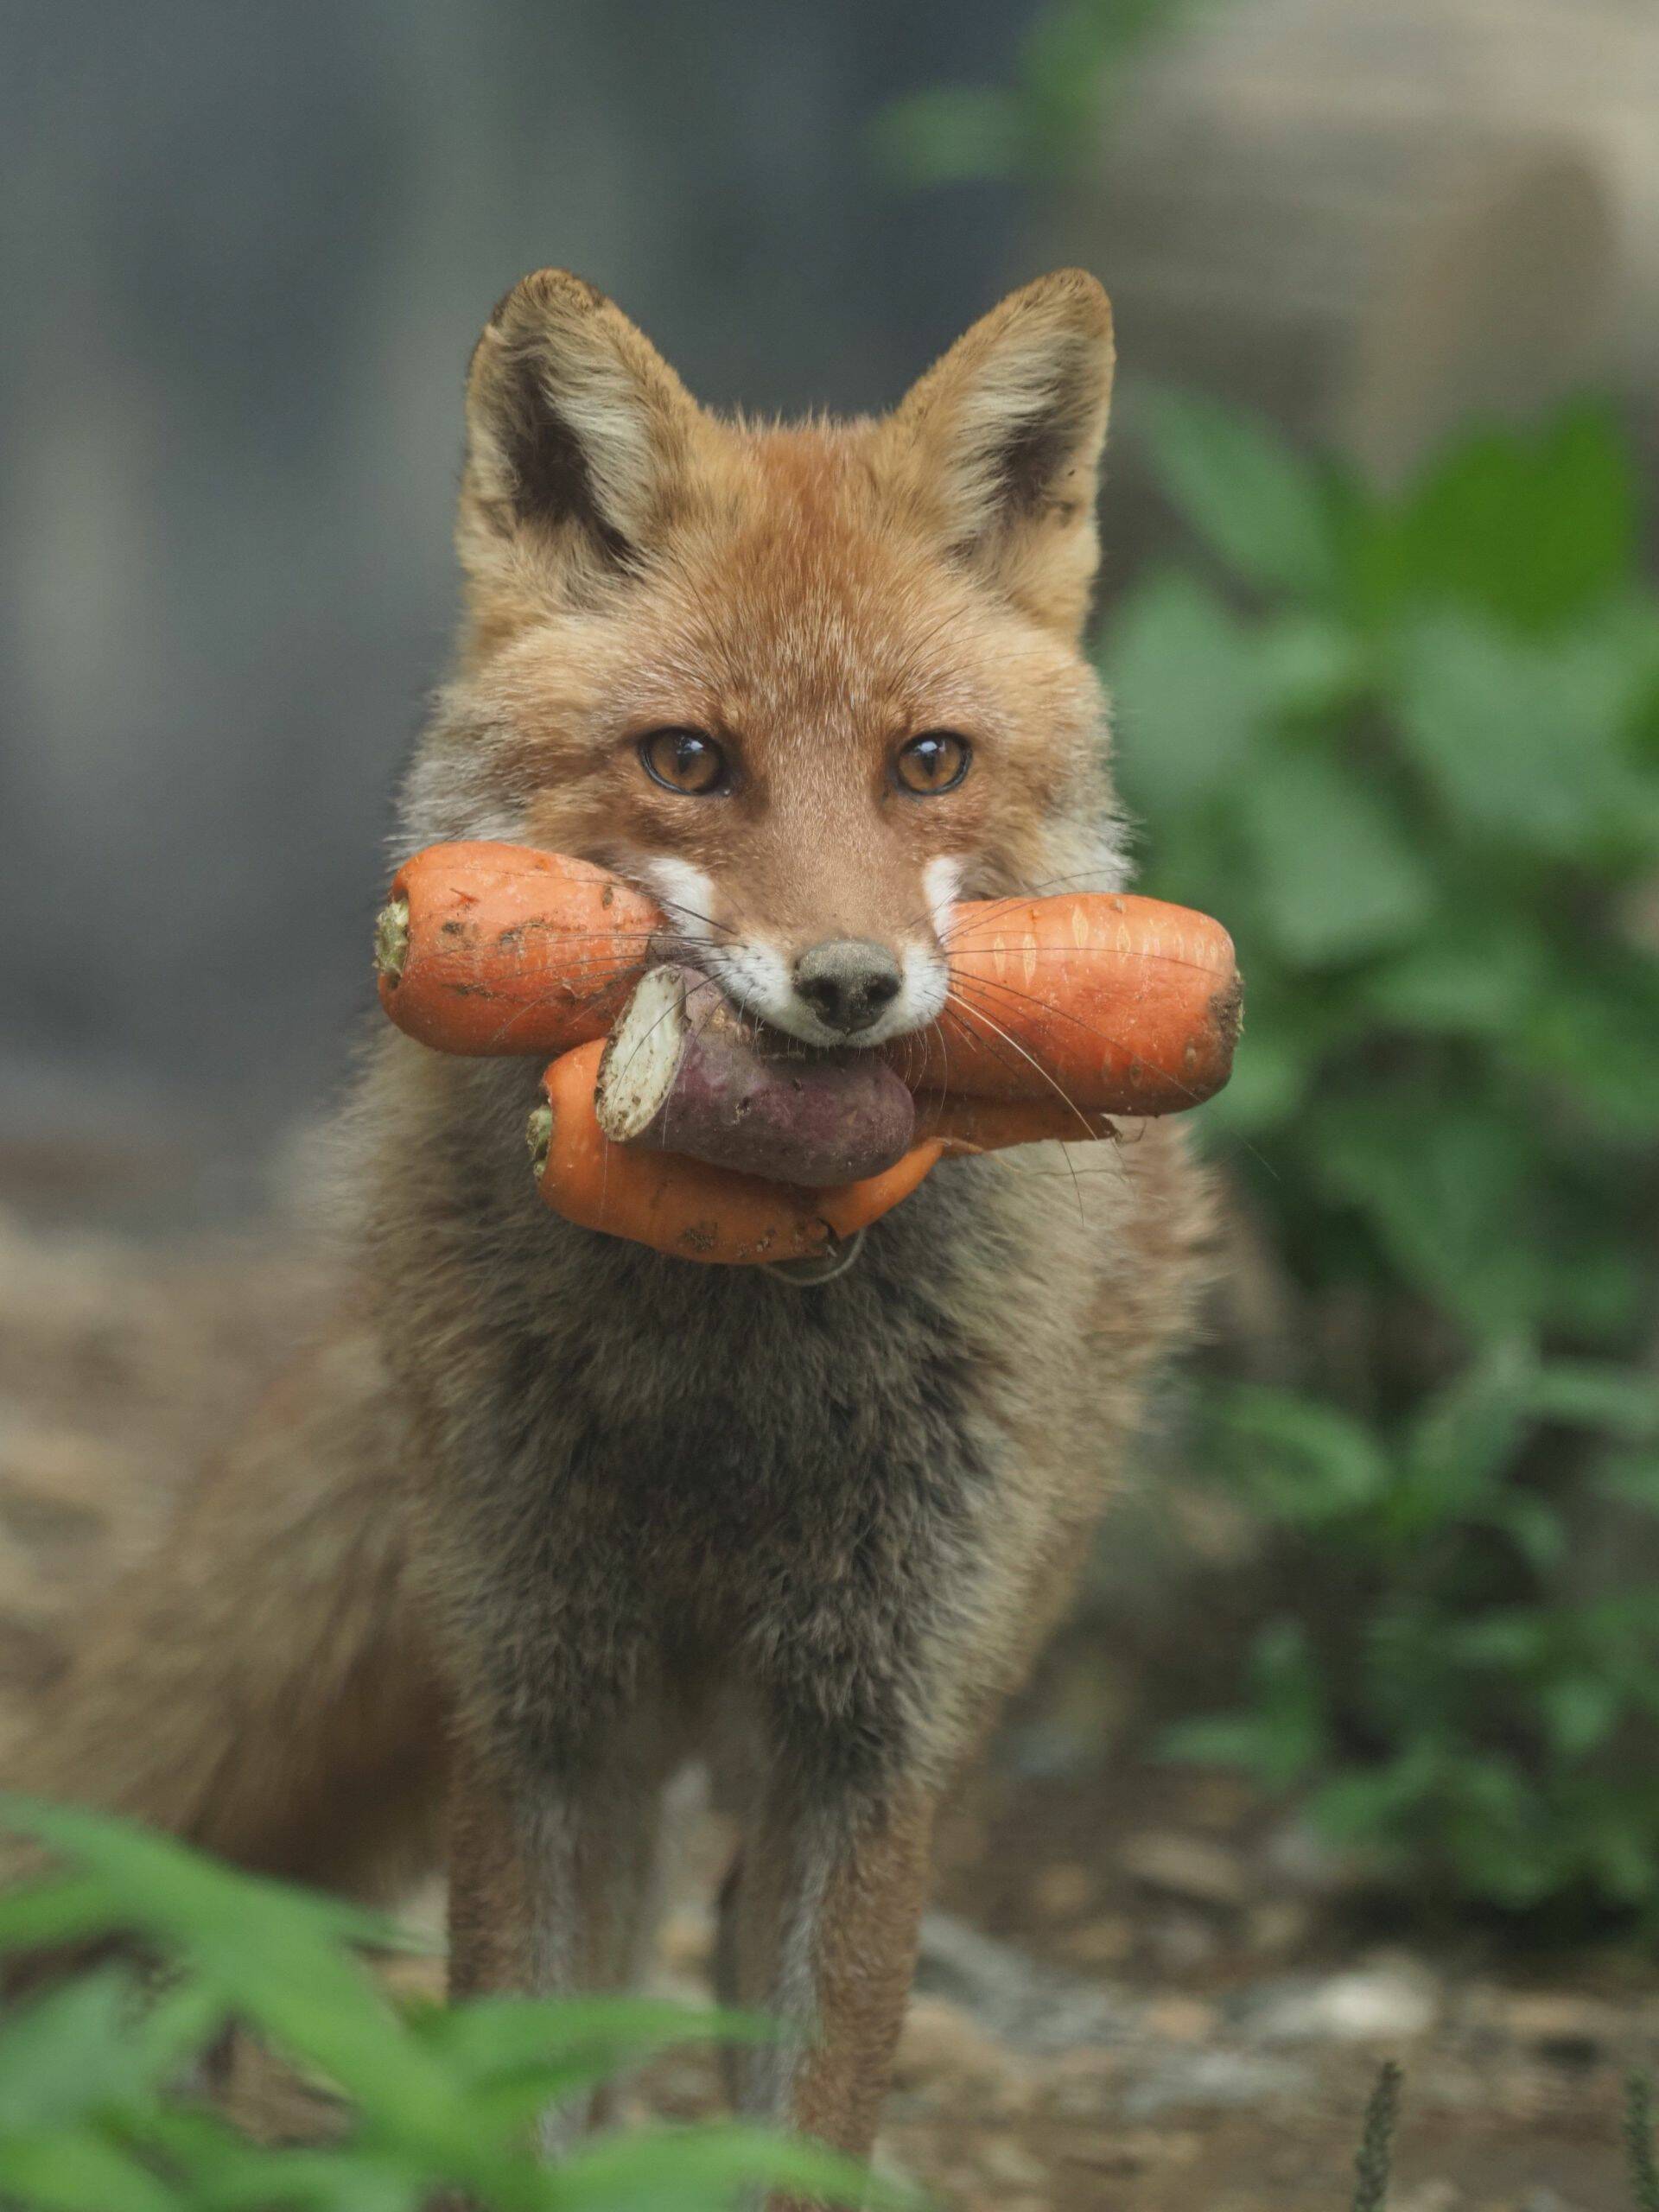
936	761
683	760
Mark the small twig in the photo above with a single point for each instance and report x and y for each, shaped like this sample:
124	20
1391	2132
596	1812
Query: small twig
1376	2144
1638	2137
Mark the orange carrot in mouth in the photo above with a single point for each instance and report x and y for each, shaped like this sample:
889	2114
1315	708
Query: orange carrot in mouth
1103	1003
683	1207
968	1125
486	948
1099	1003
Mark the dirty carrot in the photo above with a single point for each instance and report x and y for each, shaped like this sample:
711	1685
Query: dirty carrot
968	1125
1105	1002
683	1207
487	948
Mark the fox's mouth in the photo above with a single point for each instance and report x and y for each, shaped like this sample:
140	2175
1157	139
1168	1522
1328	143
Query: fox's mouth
755	980
763	983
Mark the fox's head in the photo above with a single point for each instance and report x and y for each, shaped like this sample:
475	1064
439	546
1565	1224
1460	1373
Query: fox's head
805	685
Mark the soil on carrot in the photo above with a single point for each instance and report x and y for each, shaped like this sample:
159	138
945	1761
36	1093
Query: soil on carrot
1143	1987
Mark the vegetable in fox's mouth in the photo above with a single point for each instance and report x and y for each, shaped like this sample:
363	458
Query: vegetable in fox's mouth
1108	1002
683	1071
684	1206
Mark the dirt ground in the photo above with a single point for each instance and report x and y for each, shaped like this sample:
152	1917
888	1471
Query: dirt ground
1143	1987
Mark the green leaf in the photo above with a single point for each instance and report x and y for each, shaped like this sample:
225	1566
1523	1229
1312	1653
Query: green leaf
55	1912
1532	526
1284	1735
74	2172
1367	1802
1187	693
1538	1529
1333	865
1632	1477
1264	508
1462	1436
1596	1037
94	2043
693	2168
1308	1463
1623	1401
1306	665
275	1954
513	2056
1524	744
1479	981
1580	1712
1445	1187
62	2058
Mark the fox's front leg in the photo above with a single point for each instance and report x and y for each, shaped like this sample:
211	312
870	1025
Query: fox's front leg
821	1925
552	1881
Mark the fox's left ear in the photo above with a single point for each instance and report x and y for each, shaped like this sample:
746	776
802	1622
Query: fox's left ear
999	444
577	436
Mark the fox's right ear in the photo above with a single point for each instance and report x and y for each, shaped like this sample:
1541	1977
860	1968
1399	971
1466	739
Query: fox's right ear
998	446
577	432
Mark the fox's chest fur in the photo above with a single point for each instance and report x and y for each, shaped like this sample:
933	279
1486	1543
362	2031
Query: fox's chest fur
634	1466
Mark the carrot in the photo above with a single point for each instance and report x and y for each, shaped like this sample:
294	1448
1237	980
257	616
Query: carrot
1100	1001
494	948
680	1206
969	1125
1105	1002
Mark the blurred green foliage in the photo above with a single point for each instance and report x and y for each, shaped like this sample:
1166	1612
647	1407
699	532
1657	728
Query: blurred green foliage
1039	126
96	2112
1407	748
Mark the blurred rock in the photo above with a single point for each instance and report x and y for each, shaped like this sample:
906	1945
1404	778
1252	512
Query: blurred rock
1031	2007
1183	1941
1298	1857
1061	1891
1280	1925
1010	2165
1106	1942
1174	2079
1181	2019
1188	1866
1430	2197
1392	2001
944	2049
1561	2024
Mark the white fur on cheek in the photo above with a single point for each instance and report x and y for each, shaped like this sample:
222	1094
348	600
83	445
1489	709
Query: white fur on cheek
941	880
755	976
685	894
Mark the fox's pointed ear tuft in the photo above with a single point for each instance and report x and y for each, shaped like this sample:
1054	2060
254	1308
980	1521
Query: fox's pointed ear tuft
999	443
577	430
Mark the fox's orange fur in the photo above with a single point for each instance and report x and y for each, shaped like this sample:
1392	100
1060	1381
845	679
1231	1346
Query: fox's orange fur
545	1515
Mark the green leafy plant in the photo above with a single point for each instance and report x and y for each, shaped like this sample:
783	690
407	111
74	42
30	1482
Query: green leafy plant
96	2111
1376	2159
1638	2141
1407	747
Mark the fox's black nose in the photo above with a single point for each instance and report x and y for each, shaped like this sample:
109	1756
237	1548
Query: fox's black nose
848	982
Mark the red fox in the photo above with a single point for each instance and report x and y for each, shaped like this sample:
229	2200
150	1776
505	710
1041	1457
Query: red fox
545	1515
